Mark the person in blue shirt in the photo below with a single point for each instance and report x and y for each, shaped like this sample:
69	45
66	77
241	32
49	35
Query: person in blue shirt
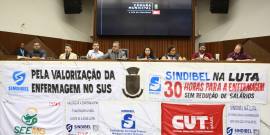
95	53
148	54
21	51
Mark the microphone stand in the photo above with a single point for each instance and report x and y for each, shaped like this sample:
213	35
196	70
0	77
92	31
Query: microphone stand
4	49
54	53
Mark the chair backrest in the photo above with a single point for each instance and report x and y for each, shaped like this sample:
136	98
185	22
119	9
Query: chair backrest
125	50
82	57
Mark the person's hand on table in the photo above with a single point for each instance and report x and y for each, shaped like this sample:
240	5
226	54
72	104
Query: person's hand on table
124	57
95	58
206	58
90	56
230	59
184	58
199	58
180	58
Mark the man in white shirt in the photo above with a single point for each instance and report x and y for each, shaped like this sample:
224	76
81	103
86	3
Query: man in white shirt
95	53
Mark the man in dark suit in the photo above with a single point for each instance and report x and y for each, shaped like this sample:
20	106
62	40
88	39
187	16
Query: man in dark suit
21	51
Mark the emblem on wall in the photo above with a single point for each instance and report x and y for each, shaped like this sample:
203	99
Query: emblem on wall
133	83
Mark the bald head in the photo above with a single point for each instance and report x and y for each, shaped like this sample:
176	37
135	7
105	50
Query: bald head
22	46
238	49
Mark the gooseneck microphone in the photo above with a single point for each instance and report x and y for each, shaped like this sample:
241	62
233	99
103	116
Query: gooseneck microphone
4	49
54	53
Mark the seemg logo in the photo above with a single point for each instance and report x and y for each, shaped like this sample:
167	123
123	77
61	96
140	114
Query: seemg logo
30	119
18	77
229	131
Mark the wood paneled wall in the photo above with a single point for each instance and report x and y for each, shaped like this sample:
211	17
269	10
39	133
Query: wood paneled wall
215	48
11	42
258	47
135	44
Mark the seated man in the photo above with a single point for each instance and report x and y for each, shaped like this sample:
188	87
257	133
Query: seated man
68	54
202	55
114	53
95	53
21	51
238	54
37	52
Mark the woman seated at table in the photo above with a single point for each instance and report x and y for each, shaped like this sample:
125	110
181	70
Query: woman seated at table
172	55
148	54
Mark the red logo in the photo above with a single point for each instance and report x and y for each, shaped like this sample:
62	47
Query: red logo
82	133
156	12
54	103
192	119
189	124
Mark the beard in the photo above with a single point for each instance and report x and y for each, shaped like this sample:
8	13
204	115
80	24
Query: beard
236	53
67	52
202	51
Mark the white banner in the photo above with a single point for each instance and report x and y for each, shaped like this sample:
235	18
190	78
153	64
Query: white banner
31	116
104	83
206	86
129	118
243	120
82	118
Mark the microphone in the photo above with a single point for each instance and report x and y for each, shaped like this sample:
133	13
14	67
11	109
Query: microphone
153	59
156	56
54	53
4	49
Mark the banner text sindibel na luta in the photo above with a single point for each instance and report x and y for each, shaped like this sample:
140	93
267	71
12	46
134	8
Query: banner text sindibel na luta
207	86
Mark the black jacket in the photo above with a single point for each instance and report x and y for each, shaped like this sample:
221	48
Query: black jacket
18	52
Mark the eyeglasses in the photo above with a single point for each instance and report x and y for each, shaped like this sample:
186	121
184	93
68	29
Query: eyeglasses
36	45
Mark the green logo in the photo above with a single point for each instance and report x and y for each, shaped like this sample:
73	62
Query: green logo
30	119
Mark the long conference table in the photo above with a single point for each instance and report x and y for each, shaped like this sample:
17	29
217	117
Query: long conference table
166	64
106	60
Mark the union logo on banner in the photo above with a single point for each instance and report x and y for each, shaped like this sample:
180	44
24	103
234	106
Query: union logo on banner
30	119
128	119
192	119
18	77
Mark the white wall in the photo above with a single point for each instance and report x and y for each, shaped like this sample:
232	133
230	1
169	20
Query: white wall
245	16
47	18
